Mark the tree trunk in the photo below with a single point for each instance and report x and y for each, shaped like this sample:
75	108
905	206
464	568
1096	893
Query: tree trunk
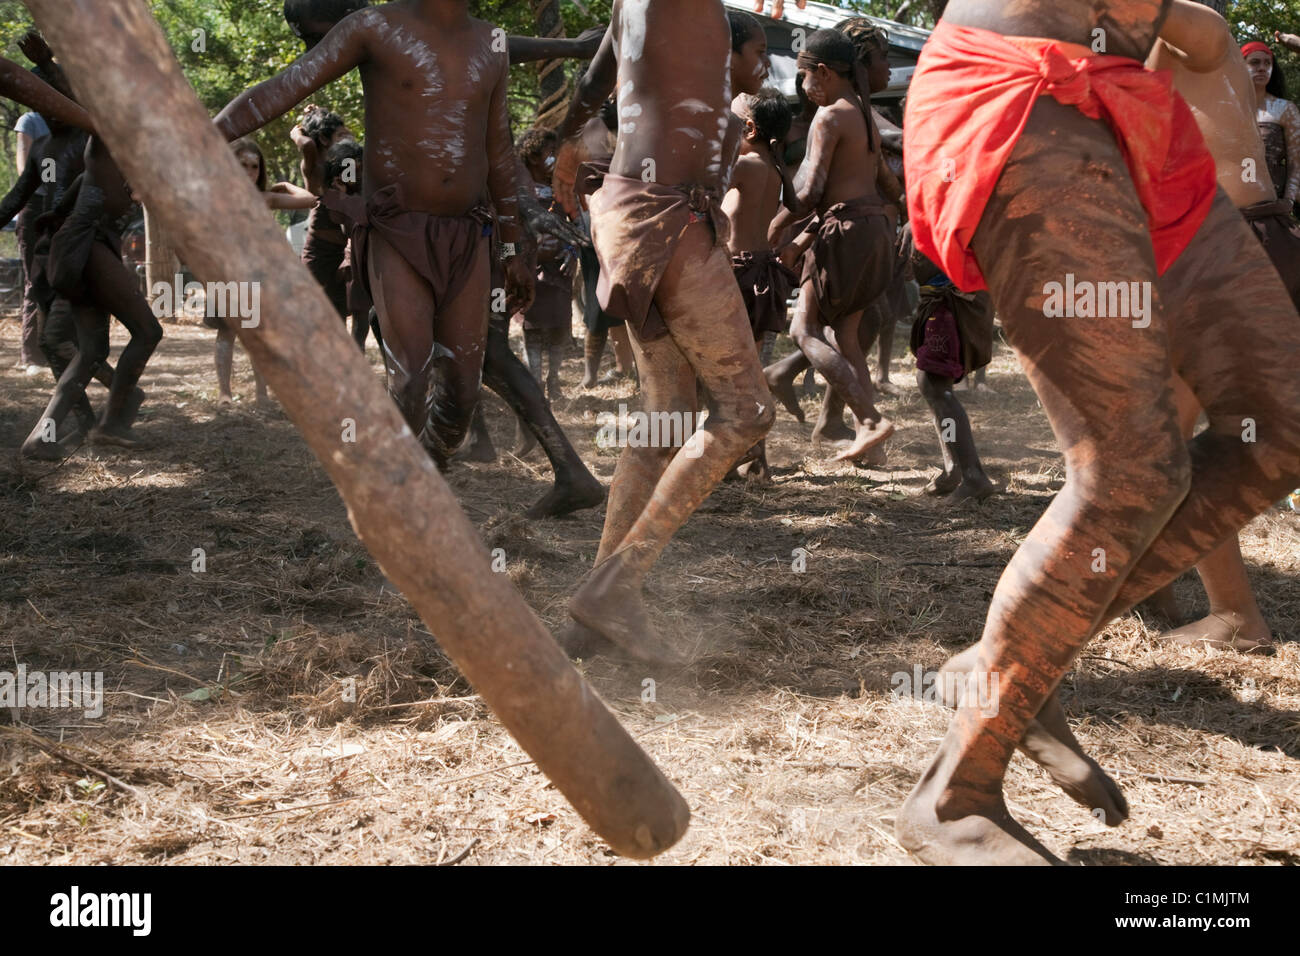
554	81
404	513
160	262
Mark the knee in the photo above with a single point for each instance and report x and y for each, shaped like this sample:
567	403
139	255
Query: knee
1155	485
151	333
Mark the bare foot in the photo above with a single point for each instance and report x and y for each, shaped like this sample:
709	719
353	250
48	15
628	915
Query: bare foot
38	450
119	435
877	457
479	452
131	410
833	431
868	437
989	836
887	387
226	399
611	603
943	484
1049	742
976	489
1226	630
1165	603
567	497
580	642
783	391
525	441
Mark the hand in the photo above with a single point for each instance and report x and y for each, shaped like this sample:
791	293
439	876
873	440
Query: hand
778	7
521	283
542	222
589	42
565	176
790	254
35	48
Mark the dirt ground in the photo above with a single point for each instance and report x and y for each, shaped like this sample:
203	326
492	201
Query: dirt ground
228	737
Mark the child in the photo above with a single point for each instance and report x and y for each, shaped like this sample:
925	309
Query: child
547	323
849	258
757	182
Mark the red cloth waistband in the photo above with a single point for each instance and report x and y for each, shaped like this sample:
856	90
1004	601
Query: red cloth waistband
968	105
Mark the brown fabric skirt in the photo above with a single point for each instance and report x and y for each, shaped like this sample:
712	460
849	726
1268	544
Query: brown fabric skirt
442	249
1279	234
765	284
635	227
952	334
851	261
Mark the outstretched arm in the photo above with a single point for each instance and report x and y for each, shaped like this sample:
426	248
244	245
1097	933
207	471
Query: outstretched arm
1288	40
289	196
35	94
22	191
338	54
531	49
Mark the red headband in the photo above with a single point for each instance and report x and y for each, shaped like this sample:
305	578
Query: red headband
1256	47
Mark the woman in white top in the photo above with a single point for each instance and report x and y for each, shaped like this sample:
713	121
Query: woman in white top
1278	118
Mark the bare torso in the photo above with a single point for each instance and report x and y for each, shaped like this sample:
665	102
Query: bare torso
1129	26
432	76
752	201
1223	102
674	98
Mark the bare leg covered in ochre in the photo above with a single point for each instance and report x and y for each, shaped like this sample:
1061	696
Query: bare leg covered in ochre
655	490
1235	620
1135	491
435	362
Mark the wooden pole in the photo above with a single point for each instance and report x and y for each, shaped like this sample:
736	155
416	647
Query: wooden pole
163	139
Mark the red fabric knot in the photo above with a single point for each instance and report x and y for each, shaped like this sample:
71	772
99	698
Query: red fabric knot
1067	80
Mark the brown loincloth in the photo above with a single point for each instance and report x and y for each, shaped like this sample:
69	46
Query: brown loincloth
851	261
442	249
635	227
765	283
70	246
1280	236
952	334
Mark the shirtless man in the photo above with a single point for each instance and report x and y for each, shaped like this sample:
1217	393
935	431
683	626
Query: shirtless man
1024	213
658	228
757	181
435	92
575	487
849	258
1223	102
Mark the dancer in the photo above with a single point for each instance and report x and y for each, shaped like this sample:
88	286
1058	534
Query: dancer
1046	192
422	243
848	260
665	270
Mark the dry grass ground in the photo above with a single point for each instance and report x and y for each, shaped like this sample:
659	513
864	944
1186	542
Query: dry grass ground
229	740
